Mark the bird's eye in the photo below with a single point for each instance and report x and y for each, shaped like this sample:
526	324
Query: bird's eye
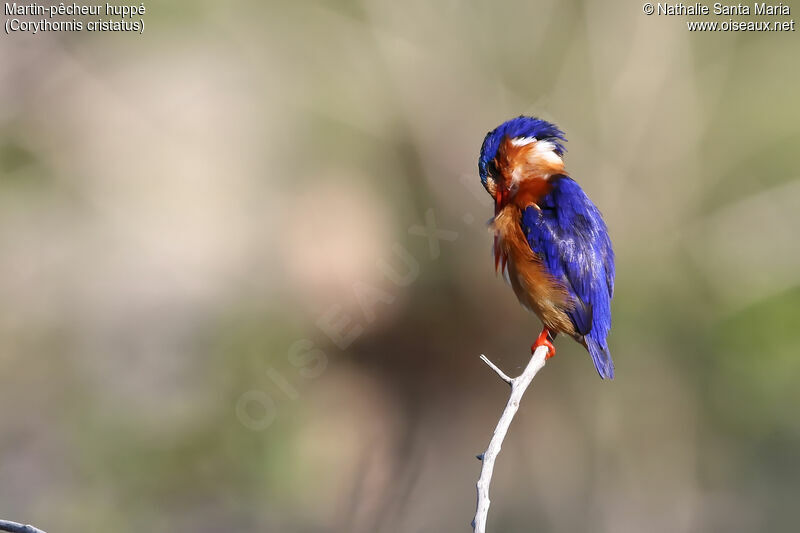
492	167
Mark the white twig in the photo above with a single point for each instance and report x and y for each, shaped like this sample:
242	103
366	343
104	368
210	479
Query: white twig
494	367
14	527
518	386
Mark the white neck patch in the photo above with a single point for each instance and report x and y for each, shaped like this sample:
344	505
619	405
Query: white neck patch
547	152
522	141
543	153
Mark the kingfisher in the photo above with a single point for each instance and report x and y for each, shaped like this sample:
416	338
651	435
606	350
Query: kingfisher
550	240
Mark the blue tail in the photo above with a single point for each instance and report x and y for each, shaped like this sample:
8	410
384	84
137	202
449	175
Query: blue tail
601	357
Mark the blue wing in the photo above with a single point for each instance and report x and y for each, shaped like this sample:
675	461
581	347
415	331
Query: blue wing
570	237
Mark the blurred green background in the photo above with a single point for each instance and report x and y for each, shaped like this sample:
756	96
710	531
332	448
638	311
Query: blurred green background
222	312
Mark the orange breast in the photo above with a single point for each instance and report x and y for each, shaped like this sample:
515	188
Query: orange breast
534	286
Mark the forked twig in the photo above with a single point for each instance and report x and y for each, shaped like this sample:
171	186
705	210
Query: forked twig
518	386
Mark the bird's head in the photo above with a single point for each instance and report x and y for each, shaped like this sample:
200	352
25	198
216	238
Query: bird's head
518	157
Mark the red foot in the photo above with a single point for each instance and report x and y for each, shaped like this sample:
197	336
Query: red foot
544	340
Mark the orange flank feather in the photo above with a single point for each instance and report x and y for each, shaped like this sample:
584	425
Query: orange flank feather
497	252
532	284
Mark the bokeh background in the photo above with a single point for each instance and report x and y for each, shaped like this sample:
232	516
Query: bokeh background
245	273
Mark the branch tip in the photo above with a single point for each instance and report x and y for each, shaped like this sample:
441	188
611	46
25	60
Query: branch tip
497	370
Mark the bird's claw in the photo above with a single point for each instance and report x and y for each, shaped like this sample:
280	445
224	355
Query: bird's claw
544	340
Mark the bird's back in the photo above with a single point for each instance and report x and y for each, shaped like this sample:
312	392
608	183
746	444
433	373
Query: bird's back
568	234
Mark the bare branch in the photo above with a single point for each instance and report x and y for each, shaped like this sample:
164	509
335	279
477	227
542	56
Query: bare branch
494	367
14	527
518	386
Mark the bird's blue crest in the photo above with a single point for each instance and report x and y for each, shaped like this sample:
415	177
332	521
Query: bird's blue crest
521	126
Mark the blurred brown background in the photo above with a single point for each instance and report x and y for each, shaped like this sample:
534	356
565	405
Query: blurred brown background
222	311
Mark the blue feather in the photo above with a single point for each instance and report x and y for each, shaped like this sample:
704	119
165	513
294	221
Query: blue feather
570	237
